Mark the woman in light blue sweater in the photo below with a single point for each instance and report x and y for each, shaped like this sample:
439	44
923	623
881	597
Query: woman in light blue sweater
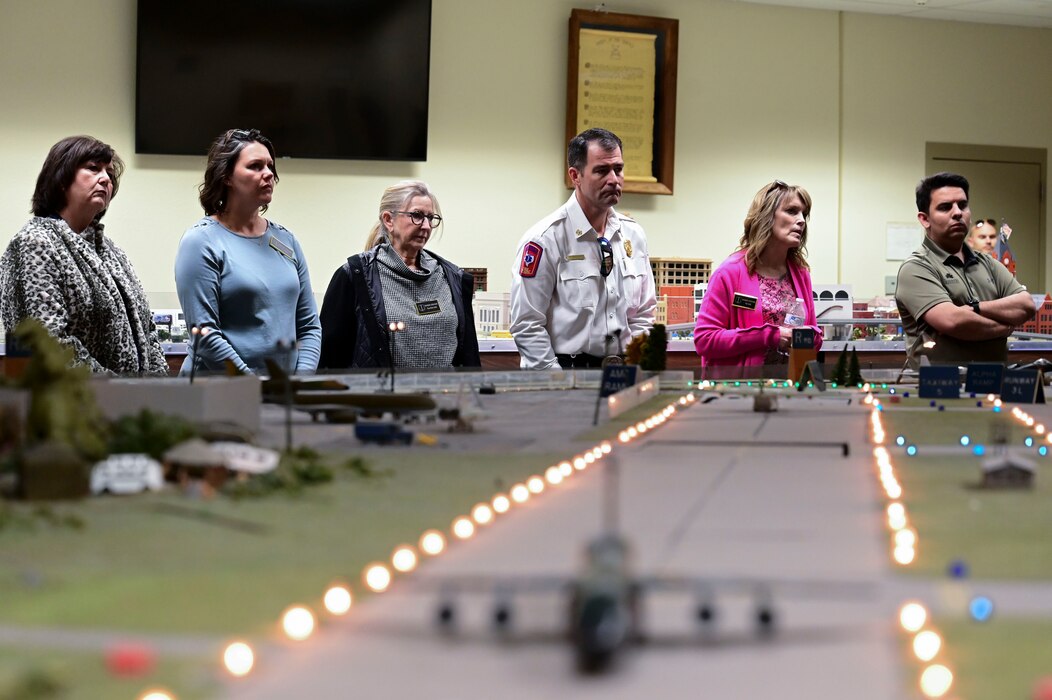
241	278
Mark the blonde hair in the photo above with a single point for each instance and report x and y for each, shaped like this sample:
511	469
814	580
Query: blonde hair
759	223
395	199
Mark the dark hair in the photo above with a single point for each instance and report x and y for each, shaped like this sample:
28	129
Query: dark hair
60	167
934	182
577	152
992	222
222	158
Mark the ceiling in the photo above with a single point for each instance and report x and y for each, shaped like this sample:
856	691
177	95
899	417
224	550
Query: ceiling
1020	13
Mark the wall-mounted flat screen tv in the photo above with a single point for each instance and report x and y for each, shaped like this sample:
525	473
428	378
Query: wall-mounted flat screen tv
343	79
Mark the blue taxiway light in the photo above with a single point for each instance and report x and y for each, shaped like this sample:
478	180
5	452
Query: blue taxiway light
978	450
1029	441
1042	450
965	440
997	409
981	608
900	440
958	568
911	450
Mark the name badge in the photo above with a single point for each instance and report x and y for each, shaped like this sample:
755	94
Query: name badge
282	248
744	301
574	257
426	308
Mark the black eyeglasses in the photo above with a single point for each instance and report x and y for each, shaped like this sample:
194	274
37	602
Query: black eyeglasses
418	218
606	256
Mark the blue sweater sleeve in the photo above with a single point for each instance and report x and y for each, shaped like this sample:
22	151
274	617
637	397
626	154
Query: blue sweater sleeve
199	265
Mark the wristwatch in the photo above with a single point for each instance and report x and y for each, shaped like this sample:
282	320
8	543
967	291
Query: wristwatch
975	307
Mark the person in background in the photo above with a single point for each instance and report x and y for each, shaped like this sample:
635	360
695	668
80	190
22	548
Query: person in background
396	280
62	270
582	286
742	321
957	307
241	277
983	237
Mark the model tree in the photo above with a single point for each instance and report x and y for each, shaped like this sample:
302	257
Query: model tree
854	372
61	406
655	349
64	430
634	351
840	371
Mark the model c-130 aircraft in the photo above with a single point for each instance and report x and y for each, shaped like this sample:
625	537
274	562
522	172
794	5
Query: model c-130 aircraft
332	399
604	599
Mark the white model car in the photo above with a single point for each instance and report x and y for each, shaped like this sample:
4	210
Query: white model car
247	458
127	473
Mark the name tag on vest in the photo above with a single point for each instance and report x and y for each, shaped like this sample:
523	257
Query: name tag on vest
426	308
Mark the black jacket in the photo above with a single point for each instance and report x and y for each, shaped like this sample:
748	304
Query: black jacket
354	322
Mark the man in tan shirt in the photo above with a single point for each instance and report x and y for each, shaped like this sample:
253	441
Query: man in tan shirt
966	304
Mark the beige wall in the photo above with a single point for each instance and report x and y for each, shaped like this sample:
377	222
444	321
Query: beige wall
842	104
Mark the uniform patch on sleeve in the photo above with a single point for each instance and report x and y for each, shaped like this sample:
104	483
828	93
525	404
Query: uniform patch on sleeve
531	260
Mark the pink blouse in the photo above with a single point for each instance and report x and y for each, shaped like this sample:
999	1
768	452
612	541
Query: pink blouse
778	297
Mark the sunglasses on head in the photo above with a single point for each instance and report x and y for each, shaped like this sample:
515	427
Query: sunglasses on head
606	256
248	136
776	185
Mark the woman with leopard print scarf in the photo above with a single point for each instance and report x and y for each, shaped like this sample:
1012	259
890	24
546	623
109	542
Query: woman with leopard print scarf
62	270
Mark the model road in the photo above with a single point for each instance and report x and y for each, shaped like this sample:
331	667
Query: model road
717	491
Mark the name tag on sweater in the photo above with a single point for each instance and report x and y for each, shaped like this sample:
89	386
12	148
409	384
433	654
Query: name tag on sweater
744	301
426	308
282	248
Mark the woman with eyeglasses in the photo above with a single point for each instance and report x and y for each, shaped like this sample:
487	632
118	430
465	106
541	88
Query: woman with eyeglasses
399	304
63	271
743	318
241	278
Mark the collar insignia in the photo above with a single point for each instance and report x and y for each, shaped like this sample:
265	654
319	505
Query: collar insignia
628	248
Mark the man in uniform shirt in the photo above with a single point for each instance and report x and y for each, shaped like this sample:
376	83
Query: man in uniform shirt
582	285
967	304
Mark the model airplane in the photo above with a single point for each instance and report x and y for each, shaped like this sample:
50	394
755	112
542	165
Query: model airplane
604	598
332	399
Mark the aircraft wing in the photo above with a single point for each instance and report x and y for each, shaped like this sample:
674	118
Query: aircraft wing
484	584
760	588
757	587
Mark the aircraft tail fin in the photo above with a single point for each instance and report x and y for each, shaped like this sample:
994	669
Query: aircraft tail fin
275	371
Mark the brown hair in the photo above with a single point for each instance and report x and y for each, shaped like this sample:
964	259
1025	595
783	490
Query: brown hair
60	167
759	222
222	159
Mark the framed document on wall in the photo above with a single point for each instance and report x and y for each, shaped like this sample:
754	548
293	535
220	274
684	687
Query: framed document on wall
622	77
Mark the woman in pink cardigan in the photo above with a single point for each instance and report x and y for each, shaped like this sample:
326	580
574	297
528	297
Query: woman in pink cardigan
741	321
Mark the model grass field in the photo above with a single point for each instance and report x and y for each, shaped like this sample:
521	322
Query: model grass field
996	534
169	566
1002	658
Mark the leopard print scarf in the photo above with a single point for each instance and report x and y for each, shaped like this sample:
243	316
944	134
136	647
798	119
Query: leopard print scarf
83	289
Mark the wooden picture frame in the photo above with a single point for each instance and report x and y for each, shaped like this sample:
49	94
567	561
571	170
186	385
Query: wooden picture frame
609	27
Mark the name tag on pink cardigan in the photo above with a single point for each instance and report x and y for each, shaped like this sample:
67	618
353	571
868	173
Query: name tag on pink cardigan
744	301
